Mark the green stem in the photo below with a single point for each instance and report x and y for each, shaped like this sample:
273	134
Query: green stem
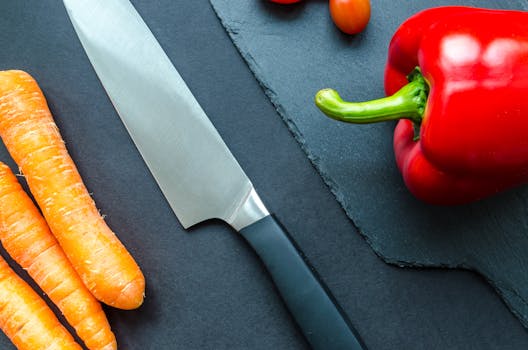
407	103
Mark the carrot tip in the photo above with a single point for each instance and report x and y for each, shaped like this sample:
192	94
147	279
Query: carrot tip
131	296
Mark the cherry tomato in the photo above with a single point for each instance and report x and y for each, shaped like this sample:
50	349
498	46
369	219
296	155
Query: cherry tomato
350	16
285	1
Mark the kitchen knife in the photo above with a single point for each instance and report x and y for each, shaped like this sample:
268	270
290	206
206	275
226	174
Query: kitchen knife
195	170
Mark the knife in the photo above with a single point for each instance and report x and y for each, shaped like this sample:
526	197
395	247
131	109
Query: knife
193	167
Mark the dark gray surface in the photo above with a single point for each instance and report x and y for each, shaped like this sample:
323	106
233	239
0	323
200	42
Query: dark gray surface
357	161
205	288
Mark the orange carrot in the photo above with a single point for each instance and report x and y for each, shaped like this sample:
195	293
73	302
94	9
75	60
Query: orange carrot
28	240
26	319
29	132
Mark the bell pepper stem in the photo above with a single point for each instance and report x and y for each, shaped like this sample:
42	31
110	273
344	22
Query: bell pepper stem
407	103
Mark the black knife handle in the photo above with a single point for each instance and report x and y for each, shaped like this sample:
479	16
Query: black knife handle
309	301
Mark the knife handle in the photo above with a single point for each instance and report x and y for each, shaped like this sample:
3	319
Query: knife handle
309	301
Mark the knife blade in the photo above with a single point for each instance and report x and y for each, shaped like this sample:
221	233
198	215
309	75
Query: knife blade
192	165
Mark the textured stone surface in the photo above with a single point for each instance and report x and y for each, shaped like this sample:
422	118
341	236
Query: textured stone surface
296	51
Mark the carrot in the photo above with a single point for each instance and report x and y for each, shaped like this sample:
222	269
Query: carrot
32	138
28	240
25	317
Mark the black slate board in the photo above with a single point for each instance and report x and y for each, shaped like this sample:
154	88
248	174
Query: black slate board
205	288
295	51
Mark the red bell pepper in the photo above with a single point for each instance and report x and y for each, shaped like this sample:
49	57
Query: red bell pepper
457	81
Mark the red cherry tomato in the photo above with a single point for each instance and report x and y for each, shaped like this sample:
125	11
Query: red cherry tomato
350	16
285	1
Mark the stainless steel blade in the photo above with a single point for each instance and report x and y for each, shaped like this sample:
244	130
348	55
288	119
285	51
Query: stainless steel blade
192	165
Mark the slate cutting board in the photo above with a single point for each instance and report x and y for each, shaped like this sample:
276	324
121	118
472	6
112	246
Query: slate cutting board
295	51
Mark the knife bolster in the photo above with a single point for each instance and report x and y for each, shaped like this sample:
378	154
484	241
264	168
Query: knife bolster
250	210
